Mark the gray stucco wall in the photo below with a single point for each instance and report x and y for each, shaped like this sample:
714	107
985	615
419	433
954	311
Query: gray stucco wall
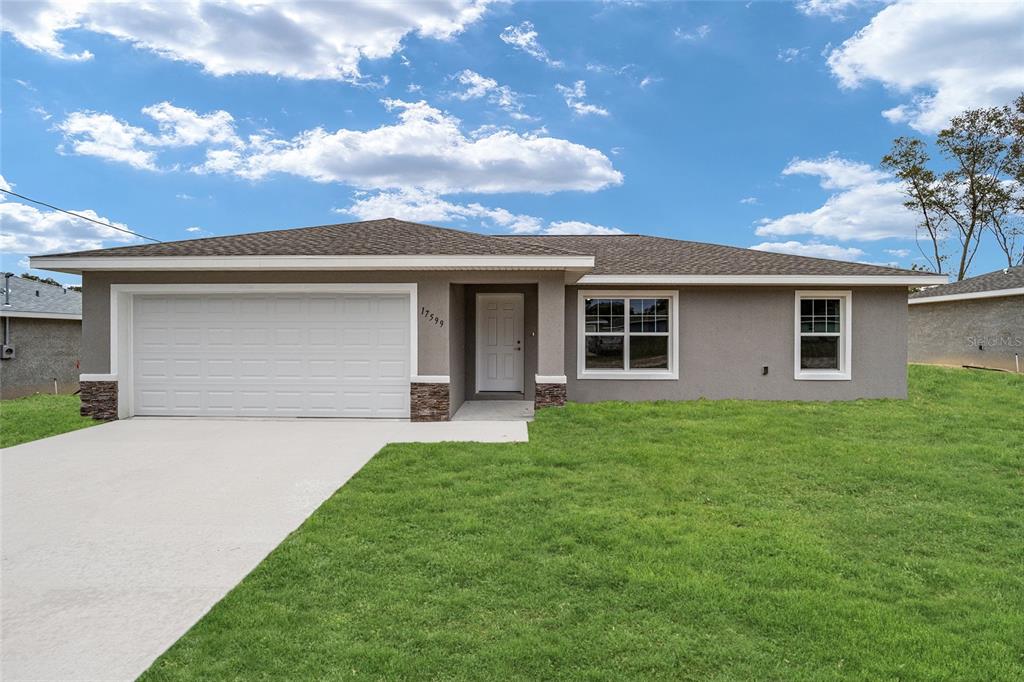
433	293
457	348
985	332
44	350
726	335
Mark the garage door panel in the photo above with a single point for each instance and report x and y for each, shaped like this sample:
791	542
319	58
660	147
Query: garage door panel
333	355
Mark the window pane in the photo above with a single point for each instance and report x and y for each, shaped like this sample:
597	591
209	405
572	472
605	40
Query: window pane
661	325
806	307
648	352
605	314
604	352
819	352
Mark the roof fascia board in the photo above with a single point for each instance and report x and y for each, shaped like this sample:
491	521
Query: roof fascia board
76	264
994	293
743	280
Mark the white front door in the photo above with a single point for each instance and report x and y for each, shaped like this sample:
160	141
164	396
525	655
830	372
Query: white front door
499	342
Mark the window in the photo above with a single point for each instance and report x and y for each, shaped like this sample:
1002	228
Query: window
627	335
822	335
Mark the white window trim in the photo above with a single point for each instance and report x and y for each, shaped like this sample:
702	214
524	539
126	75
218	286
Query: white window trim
844	373
671	374
121	308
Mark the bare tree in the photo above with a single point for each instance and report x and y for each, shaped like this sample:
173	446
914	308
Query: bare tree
909	161
1008	225
980	193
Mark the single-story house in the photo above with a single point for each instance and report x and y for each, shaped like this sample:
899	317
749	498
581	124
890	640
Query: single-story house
42	337
387	318
976	322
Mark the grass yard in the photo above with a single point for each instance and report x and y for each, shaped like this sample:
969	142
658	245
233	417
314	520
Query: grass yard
38	416
874	540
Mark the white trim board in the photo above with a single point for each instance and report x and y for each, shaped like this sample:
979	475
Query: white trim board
995	293
41	316
72	264
767	280
550	379
121	318
430	379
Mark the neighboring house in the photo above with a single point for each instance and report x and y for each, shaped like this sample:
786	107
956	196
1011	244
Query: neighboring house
387	318
977	322
42	338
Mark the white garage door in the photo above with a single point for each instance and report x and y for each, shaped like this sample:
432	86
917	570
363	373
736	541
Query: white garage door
294	355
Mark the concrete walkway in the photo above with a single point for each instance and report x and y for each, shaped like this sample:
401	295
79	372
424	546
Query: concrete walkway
118	538
495	410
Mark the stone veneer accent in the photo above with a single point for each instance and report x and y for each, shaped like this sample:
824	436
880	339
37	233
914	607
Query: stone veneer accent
99	399
428	402
549	395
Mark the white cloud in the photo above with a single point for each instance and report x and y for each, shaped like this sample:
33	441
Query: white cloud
579	227
428	207
184	127
650	80
524	37
791	54
28	230
94	134
814	249
833	9
425	149
945	57
866	204
299	39
42	113
575	97
692	35
899	253
478	86
749	200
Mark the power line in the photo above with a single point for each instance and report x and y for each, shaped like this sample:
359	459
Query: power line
77	215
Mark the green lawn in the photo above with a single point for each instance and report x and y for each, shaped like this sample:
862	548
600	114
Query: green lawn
874	540
39	416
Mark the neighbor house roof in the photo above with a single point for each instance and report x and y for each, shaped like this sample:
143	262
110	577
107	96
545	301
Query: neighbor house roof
1005	282
22	297
397	244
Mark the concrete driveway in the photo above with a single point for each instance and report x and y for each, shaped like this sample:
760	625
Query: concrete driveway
118	538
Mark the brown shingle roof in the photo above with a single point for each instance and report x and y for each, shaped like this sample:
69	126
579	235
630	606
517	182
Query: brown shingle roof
386	237
1009	278
643	255
614	254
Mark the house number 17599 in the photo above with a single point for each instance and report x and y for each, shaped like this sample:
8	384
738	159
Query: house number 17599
431	316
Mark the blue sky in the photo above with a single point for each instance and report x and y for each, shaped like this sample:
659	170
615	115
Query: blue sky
751	124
